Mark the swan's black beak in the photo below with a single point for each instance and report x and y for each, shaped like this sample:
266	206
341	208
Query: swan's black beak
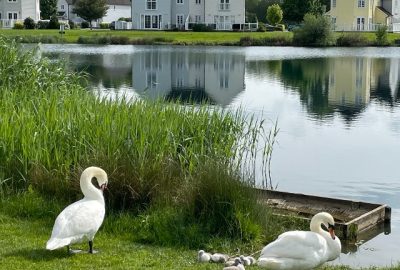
331	229
103	187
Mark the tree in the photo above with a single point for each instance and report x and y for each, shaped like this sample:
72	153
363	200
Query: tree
48	8
295	10
274	14
90	10
316	31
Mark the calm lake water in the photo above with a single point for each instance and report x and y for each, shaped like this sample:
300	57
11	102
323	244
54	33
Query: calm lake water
338	111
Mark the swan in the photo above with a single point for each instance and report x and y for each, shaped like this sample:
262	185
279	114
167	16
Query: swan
303	249
237	265
82	219
203	256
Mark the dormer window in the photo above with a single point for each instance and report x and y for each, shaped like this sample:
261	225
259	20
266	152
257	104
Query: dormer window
361	3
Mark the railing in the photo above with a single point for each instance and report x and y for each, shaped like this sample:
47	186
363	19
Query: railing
371	27
7	23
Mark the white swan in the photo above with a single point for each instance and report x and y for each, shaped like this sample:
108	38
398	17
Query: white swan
82	219
303	249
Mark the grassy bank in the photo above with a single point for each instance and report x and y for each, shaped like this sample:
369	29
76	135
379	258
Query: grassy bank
182	38
25	226
141	37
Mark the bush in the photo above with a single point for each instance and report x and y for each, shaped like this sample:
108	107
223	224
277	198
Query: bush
261	28
104	25
382	36
315	31
274	14
279	40
84	24
200	27
54	24
43	25
29	23
72	25
18	25
352	40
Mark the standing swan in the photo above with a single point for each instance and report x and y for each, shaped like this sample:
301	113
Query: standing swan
83	218
303	249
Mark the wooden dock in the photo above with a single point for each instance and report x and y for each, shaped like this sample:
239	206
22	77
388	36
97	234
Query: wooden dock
352	218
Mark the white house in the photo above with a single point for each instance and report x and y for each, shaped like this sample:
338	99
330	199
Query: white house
116	10
182	14
18	10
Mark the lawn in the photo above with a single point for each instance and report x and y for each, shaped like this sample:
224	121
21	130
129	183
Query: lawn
71	36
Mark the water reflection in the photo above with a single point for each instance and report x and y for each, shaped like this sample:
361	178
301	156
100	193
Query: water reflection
344	85
213	77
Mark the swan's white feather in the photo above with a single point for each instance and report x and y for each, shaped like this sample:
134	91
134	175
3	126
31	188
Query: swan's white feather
301	249
80	220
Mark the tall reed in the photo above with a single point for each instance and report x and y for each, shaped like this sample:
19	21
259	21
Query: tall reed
157	154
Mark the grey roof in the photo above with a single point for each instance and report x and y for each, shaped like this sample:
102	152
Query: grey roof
110	2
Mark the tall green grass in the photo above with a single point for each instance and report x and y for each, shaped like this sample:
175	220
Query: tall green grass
184	162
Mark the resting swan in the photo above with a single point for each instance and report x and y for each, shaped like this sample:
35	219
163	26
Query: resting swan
303	249
83	218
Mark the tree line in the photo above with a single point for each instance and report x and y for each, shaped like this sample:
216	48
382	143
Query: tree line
293	10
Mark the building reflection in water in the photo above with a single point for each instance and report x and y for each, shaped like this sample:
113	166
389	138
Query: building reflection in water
344	85
189	76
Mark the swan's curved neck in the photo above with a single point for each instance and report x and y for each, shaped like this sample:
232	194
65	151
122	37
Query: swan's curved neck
88	189
315	226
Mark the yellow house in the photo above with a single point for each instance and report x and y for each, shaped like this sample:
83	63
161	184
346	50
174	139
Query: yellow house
363	15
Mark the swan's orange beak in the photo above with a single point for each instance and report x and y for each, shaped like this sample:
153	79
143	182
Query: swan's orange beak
332	232
103	187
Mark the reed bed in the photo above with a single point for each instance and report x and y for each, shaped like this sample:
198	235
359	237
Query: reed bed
185	162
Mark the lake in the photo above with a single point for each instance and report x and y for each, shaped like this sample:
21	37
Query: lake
338	111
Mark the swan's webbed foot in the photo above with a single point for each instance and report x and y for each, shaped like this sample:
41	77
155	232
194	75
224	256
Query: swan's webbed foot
91	250
73	251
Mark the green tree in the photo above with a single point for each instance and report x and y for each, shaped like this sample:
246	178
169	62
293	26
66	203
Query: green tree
90	10
295	10
316	31
274	14
48	8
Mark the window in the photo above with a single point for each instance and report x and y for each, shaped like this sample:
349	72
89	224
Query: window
62	7
198	2
333	3
361	3
333	20
224	5
12	15
179	1
12	1
151	4
360	24
197	18
152	21
179	19
0	15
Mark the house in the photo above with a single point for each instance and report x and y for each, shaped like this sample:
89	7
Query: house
18	10
116	10
183	14
364	15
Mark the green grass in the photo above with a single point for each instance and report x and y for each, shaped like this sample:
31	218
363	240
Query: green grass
213	38
26	221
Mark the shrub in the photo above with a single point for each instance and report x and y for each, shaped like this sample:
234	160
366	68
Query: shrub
18	25
72	25
315	31
84	24
29	23
382	36
352	40
279	40
274	14
54	24
261	28
200	27
104	25
43	25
